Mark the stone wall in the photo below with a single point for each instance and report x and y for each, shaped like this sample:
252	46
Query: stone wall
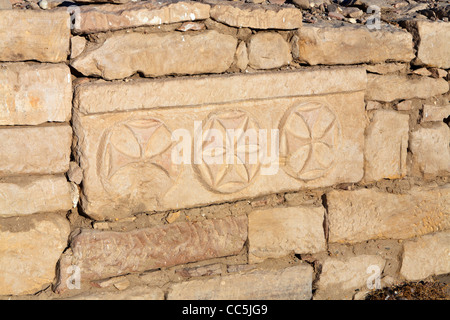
221	149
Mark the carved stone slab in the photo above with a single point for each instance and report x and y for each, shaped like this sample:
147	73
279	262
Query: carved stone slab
226	131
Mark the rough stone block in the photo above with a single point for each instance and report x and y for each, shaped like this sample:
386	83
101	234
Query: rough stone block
360	215
29	250
433	113
34	35
340	278
386	146
276	232
35	150
34	94
131	162
158	54
111	17
292	283
268	50
426	256
22	196
430	148
392	87
103	254
237	14
328	44
433	42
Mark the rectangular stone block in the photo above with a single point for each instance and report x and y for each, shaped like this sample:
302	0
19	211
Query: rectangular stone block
430	148
35	150
110	17
433	42
238	14
157	54
387	88
433	113
134	293
154	160
34	94
323	43
426	256
23	196
292	283
277	232
386	146
360	215
36	35
29	250
103	254
341	279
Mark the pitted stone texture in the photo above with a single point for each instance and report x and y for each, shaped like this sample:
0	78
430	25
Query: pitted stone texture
360	215
386	146
430	148
29	250
328	44
36	35
392	87
23	196
292	283
35	150
34	94
277	232
340	279
237	14
111	17
426	256
433	42
158	54
102	254
127	157
268	50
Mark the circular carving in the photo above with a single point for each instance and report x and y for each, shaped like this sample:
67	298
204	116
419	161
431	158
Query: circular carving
134	161
229	148
309	138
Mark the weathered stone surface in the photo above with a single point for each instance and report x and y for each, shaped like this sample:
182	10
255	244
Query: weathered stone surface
242	56
119	180
292	283
240	15
158	54
388	88
268	50
426	256
42	36
102	254
100	97
149	13
433	39
22	196
365	214
328	44
385	68
435	113
34	94
35	150
29	250
430	147
77	45
386	146
341	278
75	174
135	293
276	232
5	5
